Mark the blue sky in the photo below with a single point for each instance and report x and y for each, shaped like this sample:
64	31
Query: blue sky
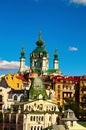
63	26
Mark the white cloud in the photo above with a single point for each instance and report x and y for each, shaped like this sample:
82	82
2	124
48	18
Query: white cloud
73	48
6	65
9	66
78	1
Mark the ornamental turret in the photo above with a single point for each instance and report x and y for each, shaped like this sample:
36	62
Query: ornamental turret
22	60
55	61
39	56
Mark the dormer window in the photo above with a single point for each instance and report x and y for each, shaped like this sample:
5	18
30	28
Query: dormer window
17	85
15	97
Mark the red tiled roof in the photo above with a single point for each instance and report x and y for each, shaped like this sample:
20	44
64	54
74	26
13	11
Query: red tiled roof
20	76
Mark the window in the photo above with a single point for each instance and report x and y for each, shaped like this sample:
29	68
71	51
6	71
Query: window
49	118
66	87
6	128
42	118
34	118
38	128
0	98
35	128
0	90
12	77
22	98
31	127
31	118
15	97
58	88
17	85
58	97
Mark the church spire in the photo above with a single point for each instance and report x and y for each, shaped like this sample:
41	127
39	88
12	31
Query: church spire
55	61
56	54
40	42
22	60
22	52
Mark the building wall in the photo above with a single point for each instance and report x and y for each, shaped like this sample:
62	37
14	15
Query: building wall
4	94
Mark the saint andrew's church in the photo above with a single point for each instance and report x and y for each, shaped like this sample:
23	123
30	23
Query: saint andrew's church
39	59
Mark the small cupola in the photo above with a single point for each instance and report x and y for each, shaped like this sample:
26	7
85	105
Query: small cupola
22	52
56	54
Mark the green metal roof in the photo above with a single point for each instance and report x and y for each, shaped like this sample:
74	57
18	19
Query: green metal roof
37	88
39	50
53	71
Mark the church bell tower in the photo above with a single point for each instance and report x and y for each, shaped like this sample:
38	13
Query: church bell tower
22	60
39	56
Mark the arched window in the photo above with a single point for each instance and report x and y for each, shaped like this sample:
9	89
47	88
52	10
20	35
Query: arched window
31	118
34	118
34	127
38	128
15	97
22	98
41	127
31	127
42	118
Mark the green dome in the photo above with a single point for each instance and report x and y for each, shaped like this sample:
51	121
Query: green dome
56	55
37	88
40	42
22	53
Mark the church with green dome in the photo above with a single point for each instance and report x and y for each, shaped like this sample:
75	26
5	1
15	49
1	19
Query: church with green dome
39	59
